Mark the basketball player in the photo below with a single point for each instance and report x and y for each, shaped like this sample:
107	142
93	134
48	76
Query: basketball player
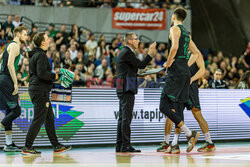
197	70
175	91
9	87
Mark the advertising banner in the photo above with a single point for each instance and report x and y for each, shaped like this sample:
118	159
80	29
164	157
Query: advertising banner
149	19
92	117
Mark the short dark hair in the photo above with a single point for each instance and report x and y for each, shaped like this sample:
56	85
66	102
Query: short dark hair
180	13
19	29
128	36
38	39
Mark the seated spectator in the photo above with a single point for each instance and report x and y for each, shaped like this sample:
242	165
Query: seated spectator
102	50
33	32
244	82
112	48
161	48
102	38
217	83
52	48
79	59
88	76
47	3
75	33
158	60
67	60
62	37
73	52
8	23
141	48
150	81
246	57
91	44
220	56
106	4
16	22
223	68
120	40
142	55
56	59
48	53
77	81
28	2
52	31
62	51
3	38
20	81
25	74
101	69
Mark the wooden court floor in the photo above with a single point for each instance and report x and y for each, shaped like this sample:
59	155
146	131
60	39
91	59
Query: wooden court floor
227	154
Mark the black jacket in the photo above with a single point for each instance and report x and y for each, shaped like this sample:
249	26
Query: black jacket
41	77
213	84
127	66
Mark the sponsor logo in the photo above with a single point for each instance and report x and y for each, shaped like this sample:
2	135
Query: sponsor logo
66	119
245	105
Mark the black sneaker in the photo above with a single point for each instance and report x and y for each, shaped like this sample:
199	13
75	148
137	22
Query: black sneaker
12	148
61	148
29	151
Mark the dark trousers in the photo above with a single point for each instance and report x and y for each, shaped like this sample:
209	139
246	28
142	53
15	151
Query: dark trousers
174	111
43	114
10	116
126	105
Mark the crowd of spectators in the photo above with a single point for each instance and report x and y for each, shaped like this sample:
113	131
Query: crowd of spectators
94	60
143	4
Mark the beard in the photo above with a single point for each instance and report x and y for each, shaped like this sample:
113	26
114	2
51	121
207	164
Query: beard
22	40
172	23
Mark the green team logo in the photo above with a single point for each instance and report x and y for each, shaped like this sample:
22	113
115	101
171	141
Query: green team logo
67	123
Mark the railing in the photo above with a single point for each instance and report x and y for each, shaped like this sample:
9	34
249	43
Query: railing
42	26
112	3
3	17
27	22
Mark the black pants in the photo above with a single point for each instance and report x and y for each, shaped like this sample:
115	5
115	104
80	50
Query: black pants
8	102
126	105
10	116
43	114
173	110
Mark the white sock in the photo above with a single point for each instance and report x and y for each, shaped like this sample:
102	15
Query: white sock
176	138
186	130
208	138
8	139
167	138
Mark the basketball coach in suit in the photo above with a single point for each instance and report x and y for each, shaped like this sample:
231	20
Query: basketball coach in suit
127	66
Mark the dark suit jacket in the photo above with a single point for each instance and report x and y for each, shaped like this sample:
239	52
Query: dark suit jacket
127	66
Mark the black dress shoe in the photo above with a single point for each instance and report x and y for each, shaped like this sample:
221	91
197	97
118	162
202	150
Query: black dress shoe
129	149
117	149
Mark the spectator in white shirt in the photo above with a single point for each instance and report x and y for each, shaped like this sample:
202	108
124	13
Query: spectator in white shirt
16	22
91	44
73	52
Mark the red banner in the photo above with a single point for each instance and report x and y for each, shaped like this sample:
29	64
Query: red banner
150	19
